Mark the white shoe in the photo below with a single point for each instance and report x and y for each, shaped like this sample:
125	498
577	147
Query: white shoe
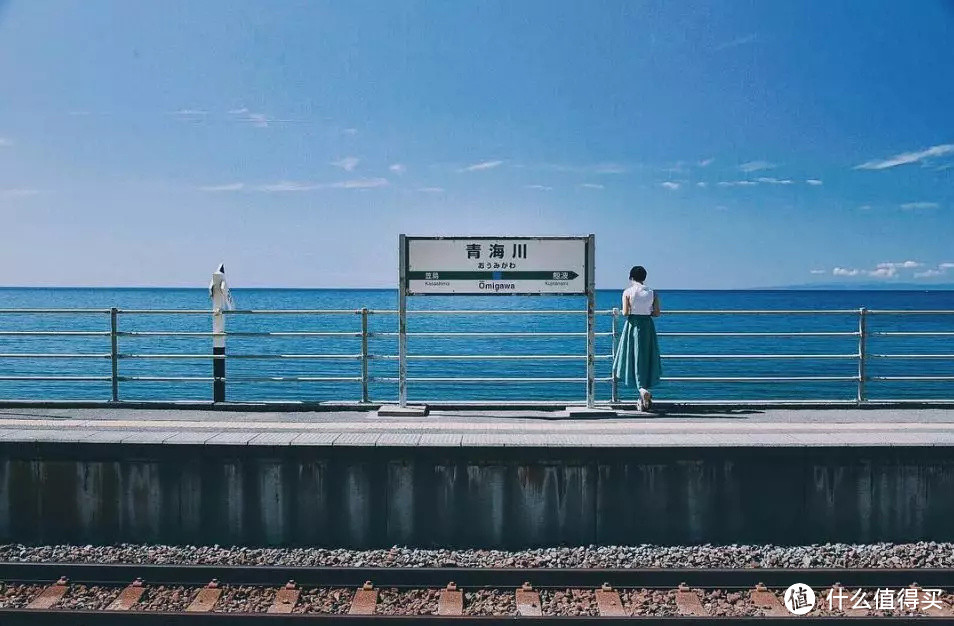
645	402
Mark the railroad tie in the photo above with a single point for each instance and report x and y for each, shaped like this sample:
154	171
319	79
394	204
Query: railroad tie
365	600
286	598
528	601
608	602
847	605
451	601
128	597
688	602
932	610
206	599
51	595
767	600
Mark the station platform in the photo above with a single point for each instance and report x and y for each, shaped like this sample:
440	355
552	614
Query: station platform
476	478
737	427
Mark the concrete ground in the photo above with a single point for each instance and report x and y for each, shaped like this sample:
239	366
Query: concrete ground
821	427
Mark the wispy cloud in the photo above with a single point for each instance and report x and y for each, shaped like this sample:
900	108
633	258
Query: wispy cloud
190	113
916	206
928	273
21	192
287	185
864	207
398	168
606	167
226	187
258	120
946	266
737	183
706	162
4	142
350	131
592	186
738	41
347	163
483	165
774	181
883	272
702	184
431	189
363	183
908	265
814	182
908	157
670	185
539	187
756	166
819	272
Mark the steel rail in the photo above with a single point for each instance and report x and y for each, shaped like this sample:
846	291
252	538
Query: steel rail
437	577
340	357
54	355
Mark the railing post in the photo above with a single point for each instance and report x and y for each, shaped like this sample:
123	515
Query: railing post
364	355
114	350
862	353
221	299
615	388
590	322
402	322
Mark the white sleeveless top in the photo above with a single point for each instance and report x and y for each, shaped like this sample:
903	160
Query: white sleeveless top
640	299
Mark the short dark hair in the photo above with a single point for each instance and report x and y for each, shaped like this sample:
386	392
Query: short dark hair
638	273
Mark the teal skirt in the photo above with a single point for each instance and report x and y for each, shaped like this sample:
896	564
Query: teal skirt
637	362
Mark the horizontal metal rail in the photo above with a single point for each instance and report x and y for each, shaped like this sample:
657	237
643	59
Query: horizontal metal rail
860	334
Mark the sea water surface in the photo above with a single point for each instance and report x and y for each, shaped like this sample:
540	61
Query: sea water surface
384	348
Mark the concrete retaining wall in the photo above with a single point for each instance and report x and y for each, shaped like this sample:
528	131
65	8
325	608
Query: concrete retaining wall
486	497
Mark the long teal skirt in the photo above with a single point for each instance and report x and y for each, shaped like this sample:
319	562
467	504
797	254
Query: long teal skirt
637	362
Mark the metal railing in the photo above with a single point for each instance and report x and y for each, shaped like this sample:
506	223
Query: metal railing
363	355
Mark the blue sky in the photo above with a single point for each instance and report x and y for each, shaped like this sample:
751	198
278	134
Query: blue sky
721	145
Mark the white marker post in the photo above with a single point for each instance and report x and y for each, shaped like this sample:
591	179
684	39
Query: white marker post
221	300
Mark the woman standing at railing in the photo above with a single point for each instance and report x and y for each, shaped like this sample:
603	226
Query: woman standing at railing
637	362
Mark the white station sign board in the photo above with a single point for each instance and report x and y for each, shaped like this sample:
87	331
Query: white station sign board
495	266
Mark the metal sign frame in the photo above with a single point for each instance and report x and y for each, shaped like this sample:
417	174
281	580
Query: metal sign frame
589	291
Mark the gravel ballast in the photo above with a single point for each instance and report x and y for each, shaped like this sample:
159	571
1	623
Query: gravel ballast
884	555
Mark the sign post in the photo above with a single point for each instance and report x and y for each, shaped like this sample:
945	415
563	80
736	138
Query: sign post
495	266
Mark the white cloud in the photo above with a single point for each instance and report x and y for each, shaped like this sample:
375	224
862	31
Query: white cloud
241	111
755	166
190	113
347	164
928	273
398	168
737	183
226	187
775	181
818	272
350	131
706	162
946	266
738	41
287	185
864	207
908	157
258	120
908	265
484	165
592	186
4	142
20	193
883	272
431	189
814	182
701	184
841	271
362	183
670	185
914	206
539	187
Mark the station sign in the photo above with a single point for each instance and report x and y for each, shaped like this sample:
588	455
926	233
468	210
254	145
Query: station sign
495	266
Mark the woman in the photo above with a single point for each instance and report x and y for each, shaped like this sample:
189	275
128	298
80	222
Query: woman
637	362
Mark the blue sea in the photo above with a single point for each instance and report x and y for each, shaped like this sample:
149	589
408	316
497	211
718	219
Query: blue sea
384	348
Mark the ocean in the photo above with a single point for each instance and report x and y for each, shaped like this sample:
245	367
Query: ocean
384	348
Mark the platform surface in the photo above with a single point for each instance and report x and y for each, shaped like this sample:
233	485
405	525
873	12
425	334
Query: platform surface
821	427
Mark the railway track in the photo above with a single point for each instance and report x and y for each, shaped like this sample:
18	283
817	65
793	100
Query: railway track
60	594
